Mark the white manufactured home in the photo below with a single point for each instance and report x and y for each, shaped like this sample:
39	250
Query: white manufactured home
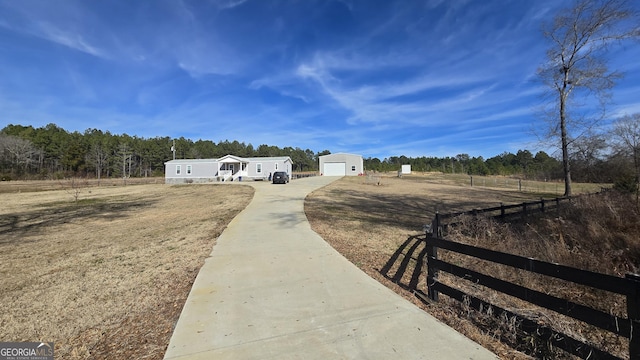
341	164
226	168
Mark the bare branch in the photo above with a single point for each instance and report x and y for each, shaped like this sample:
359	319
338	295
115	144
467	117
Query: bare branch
576	67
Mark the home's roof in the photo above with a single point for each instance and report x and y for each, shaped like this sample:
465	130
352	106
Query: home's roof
272	158
341	153
233	158
204	161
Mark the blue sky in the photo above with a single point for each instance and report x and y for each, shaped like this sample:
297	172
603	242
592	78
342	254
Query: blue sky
374	77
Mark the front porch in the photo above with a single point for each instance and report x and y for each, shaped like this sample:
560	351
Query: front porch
232	168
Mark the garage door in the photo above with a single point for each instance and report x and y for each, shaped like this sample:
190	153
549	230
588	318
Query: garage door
335	169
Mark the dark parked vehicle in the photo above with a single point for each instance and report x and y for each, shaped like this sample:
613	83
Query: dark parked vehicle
280	177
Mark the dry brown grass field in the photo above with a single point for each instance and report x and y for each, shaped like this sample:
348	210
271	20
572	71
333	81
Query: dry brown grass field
377	223
103	271
70	184
106	276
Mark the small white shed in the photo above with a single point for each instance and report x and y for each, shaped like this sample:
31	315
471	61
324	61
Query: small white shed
341	164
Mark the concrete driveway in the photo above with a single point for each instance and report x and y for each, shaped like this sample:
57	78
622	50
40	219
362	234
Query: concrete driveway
274	289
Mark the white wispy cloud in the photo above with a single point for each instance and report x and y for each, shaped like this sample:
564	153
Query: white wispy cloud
63	24
69	39
229	4
381	102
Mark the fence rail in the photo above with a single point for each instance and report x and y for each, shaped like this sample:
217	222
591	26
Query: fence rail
629	286
301	175
503	212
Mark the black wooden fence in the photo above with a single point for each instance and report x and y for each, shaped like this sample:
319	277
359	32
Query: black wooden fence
503	212
629	286
302	175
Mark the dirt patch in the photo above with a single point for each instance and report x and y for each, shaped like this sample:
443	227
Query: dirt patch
106	276
378	225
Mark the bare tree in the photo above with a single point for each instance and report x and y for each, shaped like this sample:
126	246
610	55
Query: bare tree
576	68
126	155
100	158
17	151
626	131
587	154
74	187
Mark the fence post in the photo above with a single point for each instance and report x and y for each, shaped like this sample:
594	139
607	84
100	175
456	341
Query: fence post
432	253
633	313
541	204
435	226
432	271
501	210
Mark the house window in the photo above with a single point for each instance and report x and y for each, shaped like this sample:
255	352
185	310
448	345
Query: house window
353	168
178	169
259	168
188	169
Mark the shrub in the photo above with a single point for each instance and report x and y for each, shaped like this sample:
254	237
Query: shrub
626	183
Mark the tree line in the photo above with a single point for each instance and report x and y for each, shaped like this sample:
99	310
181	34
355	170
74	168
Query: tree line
523	164
52	152
608	156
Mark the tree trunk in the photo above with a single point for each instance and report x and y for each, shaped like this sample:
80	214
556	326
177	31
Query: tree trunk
565	143
636	163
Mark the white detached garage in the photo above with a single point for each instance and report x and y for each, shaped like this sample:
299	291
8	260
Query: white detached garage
341	164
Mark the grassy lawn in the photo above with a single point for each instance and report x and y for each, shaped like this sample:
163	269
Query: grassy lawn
107	276
104	270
